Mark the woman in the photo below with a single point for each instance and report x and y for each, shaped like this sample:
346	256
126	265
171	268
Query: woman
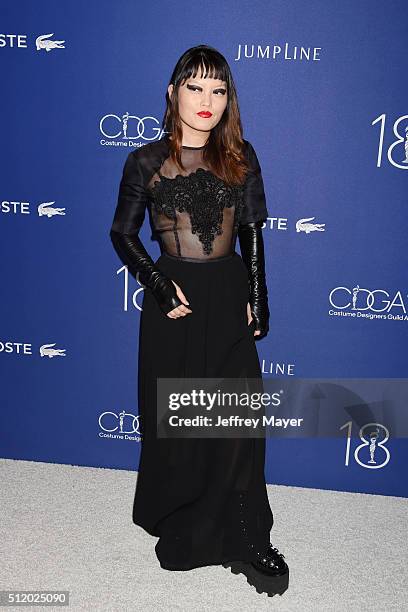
202	308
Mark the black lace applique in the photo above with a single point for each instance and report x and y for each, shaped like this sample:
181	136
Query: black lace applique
203	196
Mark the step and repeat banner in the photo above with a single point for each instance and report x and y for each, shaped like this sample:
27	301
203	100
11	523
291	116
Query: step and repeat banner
322	90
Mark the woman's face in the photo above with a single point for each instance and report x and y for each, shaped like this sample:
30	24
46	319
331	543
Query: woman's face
201	102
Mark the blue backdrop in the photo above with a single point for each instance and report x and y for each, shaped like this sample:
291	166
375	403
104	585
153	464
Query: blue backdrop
322	88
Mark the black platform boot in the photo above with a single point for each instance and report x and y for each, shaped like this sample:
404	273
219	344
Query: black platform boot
269	574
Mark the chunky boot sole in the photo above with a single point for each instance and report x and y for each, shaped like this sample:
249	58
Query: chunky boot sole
263	583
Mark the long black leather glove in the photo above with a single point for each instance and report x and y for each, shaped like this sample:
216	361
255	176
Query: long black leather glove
131	251
252	253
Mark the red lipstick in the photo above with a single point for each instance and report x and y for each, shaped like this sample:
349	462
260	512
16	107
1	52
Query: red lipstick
205	114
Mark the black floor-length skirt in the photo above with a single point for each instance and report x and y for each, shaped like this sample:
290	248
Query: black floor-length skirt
204	498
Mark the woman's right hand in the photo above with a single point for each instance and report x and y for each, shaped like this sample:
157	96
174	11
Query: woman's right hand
180	311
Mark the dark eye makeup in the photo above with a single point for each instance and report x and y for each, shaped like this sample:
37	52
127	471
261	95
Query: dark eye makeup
219	89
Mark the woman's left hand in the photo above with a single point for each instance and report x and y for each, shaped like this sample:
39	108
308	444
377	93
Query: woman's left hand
250	317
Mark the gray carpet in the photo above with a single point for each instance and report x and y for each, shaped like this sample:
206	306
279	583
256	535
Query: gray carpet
68	527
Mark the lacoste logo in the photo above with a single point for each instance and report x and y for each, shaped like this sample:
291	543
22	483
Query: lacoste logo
41	42
303	226
45	209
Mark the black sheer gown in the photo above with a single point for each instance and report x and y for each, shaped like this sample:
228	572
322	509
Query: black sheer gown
205	499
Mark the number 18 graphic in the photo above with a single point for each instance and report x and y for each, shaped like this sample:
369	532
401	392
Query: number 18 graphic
372	446
400	138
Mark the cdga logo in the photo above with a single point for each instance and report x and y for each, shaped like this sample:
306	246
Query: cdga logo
360	301
130	127
122	426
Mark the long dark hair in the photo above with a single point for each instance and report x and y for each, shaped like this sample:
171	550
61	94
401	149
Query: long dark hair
224	151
